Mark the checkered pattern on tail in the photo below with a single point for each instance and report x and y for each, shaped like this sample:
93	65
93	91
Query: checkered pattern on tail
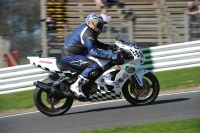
47	69
105	96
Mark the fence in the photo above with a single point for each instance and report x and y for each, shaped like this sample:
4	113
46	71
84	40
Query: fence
159	58
158	22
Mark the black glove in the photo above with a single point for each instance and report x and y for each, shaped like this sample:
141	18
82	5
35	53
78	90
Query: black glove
117	59
113	47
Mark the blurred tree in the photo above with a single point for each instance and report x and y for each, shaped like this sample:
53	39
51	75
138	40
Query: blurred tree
19	16
20	25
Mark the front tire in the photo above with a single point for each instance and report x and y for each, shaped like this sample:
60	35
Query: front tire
150	92
51	104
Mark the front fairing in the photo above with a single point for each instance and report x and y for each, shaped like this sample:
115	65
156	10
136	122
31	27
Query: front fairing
130	48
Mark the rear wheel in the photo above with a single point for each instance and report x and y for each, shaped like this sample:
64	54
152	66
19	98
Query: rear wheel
149	93
51	104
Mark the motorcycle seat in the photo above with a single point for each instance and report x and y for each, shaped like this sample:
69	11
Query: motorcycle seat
64	67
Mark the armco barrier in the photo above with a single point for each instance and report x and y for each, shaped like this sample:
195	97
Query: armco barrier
172	56
160	58
19	78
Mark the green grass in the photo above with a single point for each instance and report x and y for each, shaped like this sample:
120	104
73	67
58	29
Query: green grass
20	100
182	78
181	126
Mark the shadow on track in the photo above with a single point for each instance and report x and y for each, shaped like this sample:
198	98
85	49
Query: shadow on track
129	106
170	101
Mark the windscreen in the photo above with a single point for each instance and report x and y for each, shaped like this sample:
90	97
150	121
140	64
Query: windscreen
125	41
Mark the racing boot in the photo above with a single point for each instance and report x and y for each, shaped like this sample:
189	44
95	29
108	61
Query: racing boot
77	86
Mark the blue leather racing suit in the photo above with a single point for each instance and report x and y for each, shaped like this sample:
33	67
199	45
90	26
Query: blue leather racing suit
81	42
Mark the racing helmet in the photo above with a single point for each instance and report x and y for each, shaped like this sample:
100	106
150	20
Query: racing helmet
95	22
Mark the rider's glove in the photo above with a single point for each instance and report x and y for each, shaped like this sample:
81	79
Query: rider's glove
112	47
116	59
113	57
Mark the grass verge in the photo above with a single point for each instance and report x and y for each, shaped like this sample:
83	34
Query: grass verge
174	79
181	126
20	100
177	79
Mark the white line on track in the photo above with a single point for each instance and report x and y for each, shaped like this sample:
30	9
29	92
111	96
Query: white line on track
102	102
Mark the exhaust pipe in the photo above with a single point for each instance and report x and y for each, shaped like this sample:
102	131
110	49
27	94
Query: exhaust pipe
49	88
43	86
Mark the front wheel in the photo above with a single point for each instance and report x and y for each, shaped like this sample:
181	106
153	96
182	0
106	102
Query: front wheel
146	96
50	104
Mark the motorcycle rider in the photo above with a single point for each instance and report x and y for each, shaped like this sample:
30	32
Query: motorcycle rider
81	42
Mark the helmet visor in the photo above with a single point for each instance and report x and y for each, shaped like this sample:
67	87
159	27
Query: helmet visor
100	26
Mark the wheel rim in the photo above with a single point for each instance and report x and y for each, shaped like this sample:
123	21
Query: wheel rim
50	102
141	95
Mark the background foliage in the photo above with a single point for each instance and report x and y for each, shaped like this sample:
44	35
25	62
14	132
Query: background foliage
20	24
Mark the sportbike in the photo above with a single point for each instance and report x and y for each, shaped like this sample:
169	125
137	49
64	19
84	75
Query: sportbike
115	80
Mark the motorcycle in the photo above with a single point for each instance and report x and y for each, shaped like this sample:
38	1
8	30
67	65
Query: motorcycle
114	80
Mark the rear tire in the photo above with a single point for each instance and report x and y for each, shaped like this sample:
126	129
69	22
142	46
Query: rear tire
45	105
130	95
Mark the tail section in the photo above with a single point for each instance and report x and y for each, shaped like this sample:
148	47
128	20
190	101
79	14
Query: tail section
48	64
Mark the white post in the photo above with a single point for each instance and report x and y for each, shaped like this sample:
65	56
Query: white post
43	27
187	28
130	30
65	32
1	52
159	25
108	32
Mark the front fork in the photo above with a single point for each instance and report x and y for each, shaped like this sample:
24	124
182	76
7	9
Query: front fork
137	78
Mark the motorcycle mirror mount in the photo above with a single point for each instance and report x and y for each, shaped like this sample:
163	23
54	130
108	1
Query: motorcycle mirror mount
40	53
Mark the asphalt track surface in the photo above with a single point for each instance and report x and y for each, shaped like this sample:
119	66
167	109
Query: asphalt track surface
175	106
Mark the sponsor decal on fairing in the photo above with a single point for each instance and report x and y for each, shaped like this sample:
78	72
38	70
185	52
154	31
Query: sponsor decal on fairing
129	69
